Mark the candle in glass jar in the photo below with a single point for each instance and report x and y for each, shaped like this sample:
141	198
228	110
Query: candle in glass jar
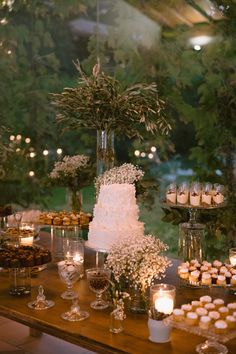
164	305
27	241
78	258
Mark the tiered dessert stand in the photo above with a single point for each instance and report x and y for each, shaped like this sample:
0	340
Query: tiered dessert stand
191	233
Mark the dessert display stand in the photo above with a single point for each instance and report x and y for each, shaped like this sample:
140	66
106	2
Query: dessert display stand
192	233
214	340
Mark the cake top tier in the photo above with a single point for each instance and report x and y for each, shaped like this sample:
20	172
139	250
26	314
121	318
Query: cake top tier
110	193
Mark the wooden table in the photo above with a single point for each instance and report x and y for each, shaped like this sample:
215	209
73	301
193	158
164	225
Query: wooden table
93	333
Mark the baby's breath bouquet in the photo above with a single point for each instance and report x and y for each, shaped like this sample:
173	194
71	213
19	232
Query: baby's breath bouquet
73	172
138	260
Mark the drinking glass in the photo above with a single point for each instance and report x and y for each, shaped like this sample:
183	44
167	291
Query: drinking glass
69	272
232	256
98	280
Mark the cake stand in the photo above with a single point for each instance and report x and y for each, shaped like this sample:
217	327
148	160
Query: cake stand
191	233
97	251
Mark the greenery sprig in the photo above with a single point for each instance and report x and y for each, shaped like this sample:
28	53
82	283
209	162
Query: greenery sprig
99	102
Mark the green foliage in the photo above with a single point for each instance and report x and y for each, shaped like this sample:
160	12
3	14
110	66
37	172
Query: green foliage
99	102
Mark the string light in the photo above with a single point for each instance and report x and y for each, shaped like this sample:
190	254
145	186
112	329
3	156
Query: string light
31	173
150	156
153	149
143	154
137	153
18	150
9	52
12	137
3	21
45	152
59	151
27	140
18	137
32	154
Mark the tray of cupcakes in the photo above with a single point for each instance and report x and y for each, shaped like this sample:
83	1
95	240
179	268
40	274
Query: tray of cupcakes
211	318
207	274
64	219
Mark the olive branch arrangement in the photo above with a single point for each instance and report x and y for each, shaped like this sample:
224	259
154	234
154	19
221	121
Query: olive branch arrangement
100	102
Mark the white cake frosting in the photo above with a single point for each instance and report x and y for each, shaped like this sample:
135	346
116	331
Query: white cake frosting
115	216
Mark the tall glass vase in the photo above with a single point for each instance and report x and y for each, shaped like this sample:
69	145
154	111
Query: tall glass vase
105	151
75	200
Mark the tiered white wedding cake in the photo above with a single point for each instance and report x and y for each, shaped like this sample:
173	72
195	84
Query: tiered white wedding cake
115	216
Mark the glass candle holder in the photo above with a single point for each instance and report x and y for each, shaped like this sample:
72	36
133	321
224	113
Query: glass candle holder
74	250
162	299
232	256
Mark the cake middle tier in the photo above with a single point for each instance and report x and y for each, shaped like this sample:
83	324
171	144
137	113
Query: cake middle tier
108	213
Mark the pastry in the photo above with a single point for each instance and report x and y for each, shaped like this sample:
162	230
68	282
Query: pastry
228	277
205	299
220	327
218	303
191	318
210	306
233	280
201	311
195	304
231	321
221	280
186	308
204	322
206	198
183	273
194	276
214	315
206	279
178	315
223	311
232	307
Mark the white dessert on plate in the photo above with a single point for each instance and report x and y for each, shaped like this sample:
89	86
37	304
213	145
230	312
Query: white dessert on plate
115	216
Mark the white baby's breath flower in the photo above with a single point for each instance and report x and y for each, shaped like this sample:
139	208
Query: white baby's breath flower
138	259
126	173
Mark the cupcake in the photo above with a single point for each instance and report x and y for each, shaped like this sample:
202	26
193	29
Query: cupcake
233	280
191	318
194	276
223	311
210	307
184	273
213	270
204	269
221	280
186	308
192	268
201	311
217	264
233	271
231	321
223	270
220	327
207	264
205	299
206	279
214	315
178	315
232	307
195	304
218	303
234	314
204	322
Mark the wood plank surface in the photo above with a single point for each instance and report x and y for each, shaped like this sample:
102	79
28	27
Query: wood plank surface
93	333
